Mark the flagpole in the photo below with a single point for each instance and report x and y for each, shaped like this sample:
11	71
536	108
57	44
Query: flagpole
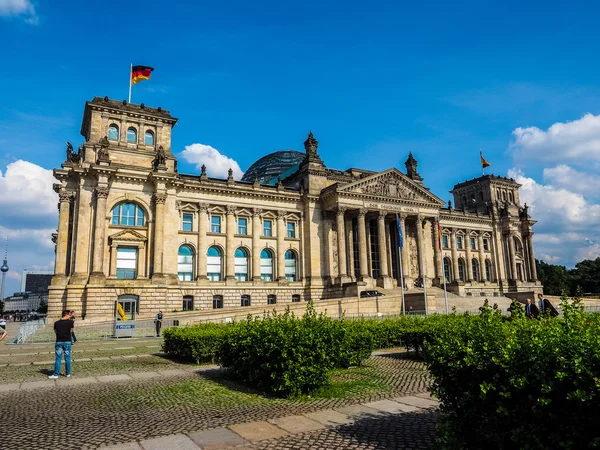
423	275
130	73
401	280
439	230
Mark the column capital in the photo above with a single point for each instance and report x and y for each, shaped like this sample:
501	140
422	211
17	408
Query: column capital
65	196
280	214
341	210
160	198
382	215
231	210
203	207
362	212
257	212
102	192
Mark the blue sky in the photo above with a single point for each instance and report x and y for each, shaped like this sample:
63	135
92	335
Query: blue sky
373	80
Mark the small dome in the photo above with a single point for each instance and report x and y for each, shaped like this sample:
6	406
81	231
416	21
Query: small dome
4	267
272	165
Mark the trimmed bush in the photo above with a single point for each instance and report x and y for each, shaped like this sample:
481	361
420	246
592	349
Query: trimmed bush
198	343
518	383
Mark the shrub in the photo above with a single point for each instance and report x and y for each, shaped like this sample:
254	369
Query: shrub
518	383
198	343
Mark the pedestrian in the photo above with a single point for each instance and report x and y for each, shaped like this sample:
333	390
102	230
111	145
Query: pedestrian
73	337
546	307
158	321
531	310
3	332
62	329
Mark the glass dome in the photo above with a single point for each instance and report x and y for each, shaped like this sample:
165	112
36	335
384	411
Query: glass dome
272	165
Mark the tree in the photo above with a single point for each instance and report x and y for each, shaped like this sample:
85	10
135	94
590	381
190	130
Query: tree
586	275
43	309
555	279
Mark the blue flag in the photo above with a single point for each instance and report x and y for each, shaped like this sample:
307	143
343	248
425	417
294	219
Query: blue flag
401	243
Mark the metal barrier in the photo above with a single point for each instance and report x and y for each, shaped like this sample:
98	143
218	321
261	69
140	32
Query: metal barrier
27	330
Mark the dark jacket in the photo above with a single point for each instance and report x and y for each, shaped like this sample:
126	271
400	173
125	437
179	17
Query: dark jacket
532	311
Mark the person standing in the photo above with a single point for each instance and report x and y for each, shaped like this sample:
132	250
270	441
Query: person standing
158	321
546	307
73	337
3	332
531	310
62	329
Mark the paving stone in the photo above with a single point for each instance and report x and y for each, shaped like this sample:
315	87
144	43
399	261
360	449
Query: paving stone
82	359
109	378
128	356
41	363
123	348
101	358
37	384
217	438
169	373
419	402
143	375
329	417
172	442
22	364
297	424
126	446
75	381
390	406
358	411
258	431
10	387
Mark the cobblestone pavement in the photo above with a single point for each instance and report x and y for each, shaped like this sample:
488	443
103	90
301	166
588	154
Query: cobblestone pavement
110	413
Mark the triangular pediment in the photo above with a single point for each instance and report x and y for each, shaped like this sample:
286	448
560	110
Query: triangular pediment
127	235
391	184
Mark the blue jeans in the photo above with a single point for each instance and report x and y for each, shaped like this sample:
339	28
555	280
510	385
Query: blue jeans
62	348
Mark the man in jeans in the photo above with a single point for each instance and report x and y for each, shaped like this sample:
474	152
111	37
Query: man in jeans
63	329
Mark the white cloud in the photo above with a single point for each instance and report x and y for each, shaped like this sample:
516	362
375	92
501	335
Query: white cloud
217	164
26	190
566	177
578	140
14	8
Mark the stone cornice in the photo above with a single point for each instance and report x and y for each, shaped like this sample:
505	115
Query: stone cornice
131	110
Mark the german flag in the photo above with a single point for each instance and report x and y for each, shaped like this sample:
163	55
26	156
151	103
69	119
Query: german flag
139	73
484	163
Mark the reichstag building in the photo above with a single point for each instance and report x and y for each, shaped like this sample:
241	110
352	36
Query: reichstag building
132	227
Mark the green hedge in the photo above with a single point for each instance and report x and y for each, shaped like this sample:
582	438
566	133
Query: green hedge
518	383
197	344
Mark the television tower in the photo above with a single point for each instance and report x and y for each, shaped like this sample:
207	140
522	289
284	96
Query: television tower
4	269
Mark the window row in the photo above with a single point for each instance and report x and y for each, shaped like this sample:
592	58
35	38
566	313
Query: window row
113	135
459	243
475	267
127	259
245	300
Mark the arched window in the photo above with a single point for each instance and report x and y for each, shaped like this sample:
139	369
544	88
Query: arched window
241	264
128	214
504	195
461	269
475	267
511	196
214	264
113	132
488	270
448	269
149	138
266	265
290	266
185	263
131	135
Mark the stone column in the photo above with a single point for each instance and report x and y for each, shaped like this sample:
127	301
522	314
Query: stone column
455	276
341	243
439	268
202	231
383	261
420	248
468	256
159	233
362	244
230	244
99	235
533	269
512	255
256	249
60	266
404	251
350	232
481	259
281	246
113	260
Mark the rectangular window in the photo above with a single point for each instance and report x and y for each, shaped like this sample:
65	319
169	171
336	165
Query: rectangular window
445	241
188	220
268	228
116	215
215	224
246	300
459	242
290	269
271	299
242	225
217	301
291	229
295	298
188	303
128	214
126	263
472	242
241	269
486	245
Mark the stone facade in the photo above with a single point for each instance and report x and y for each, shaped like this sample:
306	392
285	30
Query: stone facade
132	226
